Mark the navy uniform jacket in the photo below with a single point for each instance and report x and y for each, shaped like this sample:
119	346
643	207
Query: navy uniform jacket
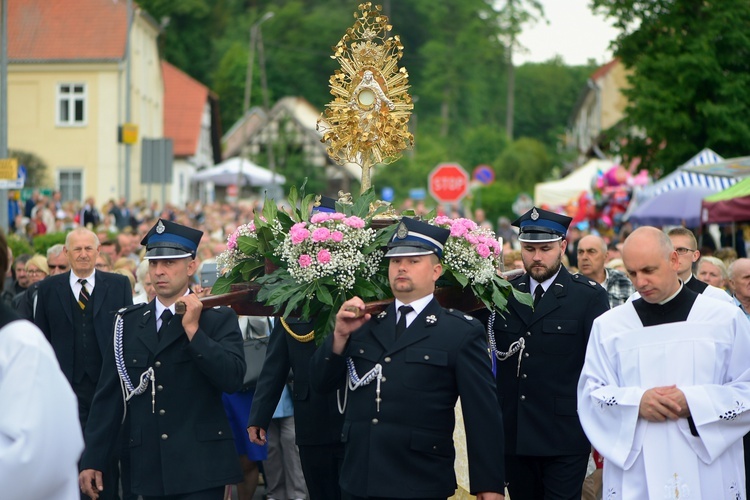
317	420
54	313
185	444
406	449
539	400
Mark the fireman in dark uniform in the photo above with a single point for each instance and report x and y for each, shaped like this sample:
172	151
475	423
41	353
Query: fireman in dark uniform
540	352
404	370
171	372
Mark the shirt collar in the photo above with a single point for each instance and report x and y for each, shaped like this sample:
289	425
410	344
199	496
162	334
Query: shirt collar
90	280
545	284
160	307
418	304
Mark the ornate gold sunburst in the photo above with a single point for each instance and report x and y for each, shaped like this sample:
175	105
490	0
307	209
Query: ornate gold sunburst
367	121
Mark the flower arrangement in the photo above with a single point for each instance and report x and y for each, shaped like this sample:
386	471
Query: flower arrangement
320	262
471	258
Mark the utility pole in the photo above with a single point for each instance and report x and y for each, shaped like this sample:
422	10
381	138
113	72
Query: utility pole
4	110
128	51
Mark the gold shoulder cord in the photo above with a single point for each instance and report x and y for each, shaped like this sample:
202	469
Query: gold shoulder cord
298	338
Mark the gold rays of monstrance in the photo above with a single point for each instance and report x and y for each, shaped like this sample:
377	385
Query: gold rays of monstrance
367	121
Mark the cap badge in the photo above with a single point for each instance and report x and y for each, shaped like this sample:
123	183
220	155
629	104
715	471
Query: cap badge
402	231
160	227
534	214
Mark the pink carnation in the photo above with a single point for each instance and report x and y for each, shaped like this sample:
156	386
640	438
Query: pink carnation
337	216
320	234
319	217
442	220
354	222
251	226
458	230
324	256
298	233
468	224
232	241
304	260
483	250
337	236
472	239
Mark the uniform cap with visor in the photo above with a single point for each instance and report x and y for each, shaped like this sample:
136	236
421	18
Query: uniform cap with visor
414	238
169	240
541	226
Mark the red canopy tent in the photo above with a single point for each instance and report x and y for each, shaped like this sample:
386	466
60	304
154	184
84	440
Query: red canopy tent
730	205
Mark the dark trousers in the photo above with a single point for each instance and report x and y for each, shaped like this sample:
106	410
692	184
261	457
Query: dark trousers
545	478
84	391
211	494
321	465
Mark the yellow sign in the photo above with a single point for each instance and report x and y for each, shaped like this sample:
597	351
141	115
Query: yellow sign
9	169
128	133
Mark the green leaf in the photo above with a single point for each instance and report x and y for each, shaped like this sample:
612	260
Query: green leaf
323	295
523	298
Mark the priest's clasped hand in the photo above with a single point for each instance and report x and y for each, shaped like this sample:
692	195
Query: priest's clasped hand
661	403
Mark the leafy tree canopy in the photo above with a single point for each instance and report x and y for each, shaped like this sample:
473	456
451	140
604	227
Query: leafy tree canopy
691	77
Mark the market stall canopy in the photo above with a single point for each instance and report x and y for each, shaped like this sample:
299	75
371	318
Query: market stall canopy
234	169
733	167
678	207
730	205
561	192
683	177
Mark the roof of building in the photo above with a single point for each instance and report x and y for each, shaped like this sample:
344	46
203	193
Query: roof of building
80	30
603	70
184	101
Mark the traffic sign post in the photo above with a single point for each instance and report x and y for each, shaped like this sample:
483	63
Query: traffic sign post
448	183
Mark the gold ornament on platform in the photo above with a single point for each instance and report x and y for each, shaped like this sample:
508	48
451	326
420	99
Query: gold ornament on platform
367	122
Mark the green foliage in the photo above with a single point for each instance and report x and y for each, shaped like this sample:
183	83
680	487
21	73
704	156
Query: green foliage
43	241
36	169
691	78
19	245
496	200
524	163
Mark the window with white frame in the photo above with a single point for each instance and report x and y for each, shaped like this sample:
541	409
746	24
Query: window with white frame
71	104
71	184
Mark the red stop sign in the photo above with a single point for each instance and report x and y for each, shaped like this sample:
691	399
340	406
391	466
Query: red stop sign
448	182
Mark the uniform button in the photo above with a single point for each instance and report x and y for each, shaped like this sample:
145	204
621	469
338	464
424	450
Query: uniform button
559	328
426	357
157	364
523	398
221	433
525	355
523	375
162	412
528	334
374	421
434	447
387	360
164	437
382	379
361	351
159	388
135	360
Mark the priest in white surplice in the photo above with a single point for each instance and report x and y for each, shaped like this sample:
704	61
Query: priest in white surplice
666	384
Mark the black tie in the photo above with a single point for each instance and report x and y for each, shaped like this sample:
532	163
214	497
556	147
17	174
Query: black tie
401	325
538	292
166	315
83	295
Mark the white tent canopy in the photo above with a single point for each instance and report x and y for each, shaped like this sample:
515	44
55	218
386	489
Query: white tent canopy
234	170
561	192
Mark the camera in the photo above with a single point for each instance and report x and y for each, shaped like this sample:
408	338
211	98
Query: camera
209	274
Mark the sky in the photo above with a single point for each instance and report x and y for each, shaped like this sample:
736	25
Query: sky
573	32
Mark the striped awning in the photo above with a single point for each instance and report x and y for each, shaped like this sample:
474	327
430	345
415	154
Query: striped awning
680	178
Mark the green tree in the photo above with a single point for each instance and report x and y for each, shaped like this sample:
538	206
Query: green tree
690	86
524	163
36	169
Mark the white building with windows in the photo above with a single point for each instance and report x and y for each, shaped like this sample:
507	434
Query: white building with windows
67	92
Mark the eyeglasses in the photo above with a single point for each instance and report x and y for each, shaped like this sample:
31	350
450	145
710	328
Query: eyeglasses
60	267
683	250
34	272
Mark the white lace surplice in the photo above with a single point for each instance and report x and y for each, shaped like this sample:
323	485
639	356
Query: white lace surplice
708	358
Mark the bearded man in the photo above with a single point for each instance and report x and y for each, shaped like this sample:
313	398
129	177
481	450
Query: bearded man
539	353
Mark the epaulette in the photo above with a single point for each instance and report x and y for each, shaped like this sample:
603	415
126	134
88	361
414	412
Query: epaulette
459	314
580	278
129	309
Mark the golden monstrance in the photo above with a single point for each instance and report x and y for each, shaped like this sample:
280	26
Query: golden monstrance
367	121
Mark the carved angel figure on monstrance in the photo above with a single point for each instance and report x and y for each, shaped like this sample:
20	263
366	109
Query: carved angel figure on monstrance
367	122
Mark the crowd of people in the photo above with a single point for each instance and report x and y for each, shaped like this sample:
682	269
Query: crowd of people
625	372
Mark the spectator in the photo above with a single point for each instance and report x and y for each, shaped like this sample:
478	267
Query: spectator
712	271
